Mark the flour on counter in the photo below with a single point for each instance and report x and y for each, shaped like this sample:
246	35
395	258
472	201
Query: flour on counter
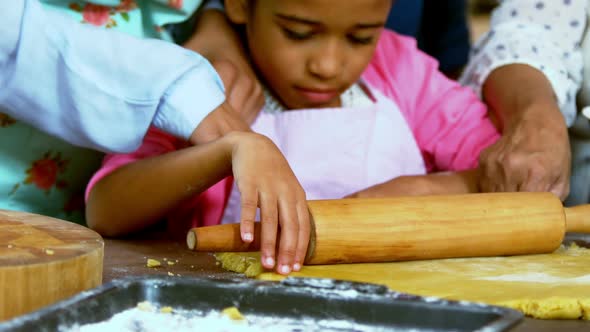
147	317
540	278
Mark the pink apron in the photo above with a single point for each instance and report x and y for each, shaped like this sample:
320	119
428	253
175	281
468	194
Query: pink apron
336	152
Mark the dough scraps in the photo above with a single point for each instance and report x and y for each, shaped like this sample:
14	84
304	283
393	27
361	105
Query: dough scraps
233	313
153	262
247	263
548	286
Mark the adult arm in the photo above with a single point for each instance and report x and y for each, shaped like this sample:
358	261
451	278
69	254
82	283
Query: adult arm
96	88
215	38
528	68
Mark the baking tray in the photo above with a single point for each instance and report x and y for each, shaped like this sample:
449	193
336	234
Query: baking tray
365	307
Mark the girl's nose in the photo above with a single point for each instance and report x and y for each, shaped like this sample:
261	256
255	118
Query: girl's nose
327	62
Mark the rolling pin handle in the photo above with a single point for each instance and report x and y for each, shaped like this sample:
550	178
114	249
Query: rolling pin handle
191	240
577	219
221	238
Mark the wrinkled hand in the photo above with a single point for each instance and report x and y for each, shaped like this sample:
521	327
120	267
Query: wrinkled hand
242	89
265	180
218	123
534	155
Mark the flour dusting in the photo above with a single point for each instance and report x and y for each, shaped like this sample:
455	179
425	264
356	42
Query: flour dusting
150	318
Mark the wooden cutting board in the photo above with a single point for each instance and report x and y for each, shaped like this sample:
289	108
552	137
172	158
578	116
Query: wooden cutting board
44	260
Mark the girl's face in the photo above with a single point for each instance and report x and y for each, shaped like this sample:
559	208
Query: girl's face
310	51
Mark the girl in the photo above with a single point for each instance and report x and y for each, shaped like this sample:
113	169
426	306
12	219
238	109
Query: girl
356	110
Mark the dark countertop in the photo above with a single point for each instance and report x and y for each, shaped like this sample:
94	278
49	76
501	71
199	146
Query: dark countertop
128	258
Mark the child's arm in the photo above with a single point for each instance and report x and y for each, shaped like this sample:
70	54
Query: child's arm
417	185
140	193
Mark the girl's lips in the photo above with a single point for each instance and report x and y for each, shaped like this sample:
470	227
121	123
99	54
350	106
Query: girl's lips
317	96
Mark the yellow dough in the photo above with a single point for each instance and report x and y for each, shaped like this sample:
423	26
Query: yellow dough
153	263
550	286
246	263
233	313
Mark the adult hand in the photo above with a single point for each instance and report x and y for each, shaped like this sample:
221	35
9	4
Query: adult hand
216	40
218	123
265	180
533	154
242	89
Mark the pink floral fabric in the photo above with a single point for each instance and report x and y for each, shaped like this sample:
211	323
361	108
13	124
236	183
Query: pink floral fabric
141	18
101	15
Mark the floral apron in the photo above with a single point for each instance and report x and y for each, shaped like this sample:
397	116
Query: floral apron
141	18
42	174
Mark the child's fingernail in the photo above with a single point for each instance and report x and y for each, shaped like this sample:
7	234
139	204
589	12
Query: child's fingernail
248	237
269	261
296	267
285	269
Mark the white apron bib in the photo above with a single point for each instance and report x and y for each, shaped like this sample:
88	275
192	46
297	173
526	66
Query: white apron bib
336	152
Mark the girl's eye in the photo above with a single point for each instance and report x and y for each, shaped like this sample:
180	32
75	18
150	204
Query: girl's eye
361	40
296	35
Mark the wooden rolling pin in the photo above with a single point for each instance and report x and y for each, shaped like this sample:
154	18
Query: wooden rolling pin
426	227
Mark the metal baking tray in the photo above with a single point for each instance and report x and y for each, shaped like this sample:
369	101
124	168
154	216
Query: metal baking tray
365	307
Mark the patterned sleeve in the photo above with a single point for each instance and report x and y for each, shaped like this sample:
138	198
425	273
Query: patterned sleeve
544	34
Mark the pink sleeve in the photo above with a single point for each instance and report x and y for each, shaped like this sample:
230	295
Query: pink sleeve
156	142
205	209
449	122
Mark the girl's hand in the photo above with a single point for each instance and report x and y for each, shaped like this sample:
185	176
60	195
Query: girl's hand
265	180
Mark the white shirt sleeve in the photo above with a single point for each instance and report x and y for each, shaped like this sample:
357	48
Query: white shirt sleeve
97	88
544	34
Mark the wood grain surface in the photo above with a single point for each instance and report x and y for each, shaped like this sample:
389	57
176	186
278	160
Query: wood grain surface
44	260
